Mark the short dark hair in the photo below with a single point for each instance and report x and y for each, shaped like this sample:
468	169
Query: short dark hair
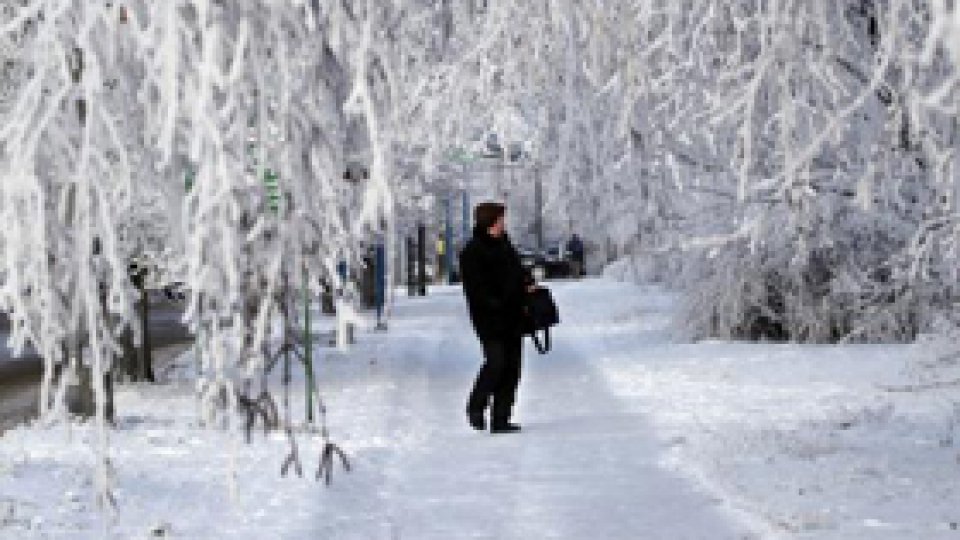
487	213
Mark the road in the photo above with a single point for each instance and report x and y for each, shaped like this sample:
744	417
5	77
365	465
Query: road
20	376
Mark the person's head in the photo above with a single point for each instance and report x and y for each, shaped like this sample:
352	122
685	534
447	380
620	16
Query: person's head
490	217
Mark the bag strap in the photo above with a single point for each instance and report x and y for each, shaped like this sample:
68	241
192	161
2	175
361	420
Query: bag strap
544	346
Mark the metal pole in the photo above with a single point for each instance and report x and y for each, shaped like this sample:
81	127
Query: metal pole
422	258
307	346
538	195
285	315
411	267
380	277
448	238
466	216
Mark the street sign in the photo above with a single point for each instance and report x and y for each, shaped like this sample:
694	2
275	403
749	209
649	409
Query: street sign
272	183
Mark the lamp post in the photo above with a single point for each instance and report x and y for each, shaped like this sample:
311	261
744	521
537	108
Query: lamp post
466	159
538	202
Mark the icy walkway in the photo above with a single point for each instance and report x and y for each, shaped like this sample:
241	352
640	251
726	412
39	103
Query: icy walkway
584	467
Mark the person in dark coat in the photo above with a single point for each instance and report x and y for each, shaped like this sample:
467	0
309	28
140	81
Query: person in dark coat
494	283
575	249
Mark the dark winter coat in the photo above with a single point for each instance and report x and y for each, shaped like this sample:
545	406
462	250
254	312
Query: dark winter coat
494	282
575	249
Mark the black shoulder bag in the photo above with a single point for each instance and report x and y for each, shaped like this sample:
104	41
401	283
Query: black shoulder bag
541	314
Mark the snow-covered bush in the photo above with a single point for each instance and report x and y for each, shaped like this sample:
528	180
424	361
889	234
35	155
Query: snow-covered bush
796	163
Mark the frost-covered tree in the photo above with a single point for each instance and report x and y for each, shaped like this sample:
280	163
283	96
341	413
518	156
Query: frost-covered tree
783	161
208	138
792	165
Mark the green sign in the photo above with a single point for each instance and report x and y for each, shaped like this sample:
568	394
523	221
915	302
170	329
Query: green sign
272	183
461	155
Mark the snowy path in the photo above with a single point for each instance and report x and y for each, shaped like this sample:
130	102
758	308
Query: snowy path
584	467
627	434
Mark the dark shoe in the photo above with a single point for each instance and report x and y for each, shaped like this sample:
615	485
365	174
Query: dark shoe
505	427
476	420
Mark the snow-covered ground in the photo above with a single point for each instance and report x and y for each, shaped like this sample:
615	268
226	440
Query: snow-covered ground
802	441
627	434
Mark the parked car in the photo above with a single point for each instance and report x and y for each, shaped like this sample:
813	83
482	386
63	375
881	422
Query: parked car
548	264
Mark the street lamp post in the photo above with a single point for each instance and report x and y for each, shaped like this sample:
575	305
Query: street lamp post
538	202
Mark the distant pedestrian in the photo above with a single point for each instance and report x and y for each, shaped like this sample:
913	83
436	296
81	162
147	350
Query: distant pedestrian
495	284
575	251
441	259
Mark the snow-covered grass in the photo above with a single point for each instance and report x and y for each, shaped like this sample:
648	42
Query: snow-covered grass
803	441
627	434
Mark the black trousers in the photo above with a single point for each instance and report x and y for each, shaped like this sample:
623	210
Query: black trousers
498	378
